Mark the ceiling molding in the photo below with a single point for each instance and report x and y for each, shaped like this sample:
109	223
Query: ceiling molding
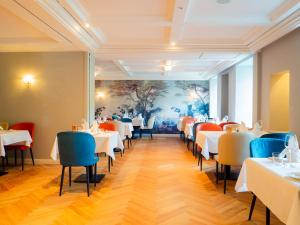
55	9
123	68
274	32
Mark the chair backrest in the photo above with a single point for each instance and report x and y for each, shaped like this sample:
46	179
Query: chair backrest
234	148
76	148
114	117
126	120
4	125
25	126
195	129
226	123
231	127
281	136
186	120
120	128
264	147
108	126
209	127
151	122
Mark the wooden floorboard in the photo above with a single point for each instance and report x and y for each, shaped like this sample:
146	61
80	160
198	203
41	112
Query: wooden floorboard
156	182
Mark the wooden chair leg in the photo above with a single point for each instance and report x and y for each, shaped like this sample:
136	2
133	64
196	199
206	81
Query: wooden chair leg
108	159
217	172
225	178
268	216
87	180
151	134
15	157
199	155
252	207
111	161
70	175
31	154
3	163
201	158
95	174
22	159
62	180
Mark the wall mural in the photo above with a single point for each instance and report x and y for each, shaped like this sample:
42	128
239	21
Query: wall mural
166	100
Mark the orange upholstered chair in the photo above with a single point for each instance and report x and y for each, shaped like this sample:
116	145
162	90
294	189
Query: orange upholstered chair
108	126
226	123
205	127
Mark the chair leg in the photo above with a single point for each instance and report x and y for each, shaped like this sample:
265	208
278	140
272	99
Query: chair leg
22	159
201	161
95	174
15	157
70	175
193	148
268	214
31	154
3	163
151	134
87	180
225	178
199	155
6	158
111	161
128	142
217	172
62	180
252	206
121	153
140	133
108	159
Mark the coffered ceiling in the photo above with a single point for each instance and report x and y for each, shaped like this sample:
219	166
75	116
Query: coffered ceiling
149	39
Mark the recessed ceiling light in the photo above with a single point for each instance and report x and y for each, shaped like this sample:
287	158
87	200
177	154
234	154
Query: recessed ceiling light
87	25
173	43
223	1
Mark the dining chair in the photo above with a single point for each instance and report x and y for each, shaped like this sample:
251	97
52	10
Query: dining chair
186	120
4	125
149	127
77	149
126	120
194	135
22	126
110	126
263	148
233	149
205	127
226	123
281	136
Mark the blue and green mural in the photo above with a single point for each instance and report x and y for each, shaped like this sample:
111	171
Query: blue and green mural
166	100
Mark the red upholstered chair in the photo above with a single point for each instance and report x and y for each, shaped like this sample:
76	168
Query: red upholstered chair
226	123
108	126
205	127
22	126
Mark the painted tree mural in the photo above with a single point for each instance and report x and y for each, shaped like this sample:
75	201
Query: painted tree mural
142	93
167	100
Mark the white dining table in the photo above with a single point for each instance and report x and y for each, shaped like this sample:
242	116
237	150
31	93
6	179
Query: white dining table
128	128
138	122
8	137
105	142
272	184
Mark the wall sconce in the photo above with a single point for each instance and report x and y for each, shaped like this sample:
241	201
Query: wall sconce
28	80
100	94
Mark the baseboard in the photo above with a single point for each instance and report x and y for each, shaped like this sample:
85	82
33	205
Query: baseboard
165	135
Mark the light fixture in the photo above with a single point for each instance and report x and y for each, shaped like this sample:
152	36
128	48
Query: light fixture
28	79
87	25
173	43
100	94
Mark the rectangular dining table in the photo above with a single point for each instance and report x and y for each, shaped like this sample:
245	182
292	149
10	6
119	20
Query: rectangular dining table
272	184
106	142
8	137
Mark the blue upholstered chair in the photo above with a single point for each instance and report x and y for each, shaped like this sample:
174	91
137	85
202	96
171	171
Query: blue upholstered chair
126	120
193	138
264	147
281	136
77	149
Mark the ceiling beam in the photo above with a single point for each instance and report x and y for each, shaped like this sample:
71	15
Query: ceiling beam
180	13
123	68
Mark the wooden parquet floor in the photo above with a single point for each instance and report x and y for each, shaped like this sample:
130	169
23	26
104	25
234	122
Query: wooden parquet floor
156	182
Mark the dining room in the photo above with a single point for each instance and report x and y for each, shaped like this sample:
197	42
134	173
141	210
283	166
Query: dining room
149	112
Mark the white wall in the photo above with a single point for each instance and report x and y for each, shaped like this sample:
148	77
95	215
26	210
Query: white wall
213	97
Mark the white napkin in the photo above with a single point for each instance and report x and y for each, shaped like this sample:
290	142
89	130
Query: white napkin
225	119
84	124
95	127
243	127
292	151
257	127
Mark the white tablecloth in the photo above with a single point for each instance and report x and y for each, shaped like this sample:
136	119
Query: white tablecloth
188	130
208	141
271	184
105	142
128	129
179	124
8	137
138	122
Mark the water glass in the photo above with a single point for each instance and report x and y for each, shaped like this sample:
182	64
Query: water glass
276	158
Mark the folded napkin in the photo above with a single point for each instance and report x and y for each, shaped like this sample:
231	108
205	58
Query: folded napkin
224	119
243	127
292	151
84	124
95	127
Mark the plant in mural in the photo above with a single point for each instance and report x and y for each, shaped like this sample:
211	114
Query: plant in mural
142	93
99	111
198	91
